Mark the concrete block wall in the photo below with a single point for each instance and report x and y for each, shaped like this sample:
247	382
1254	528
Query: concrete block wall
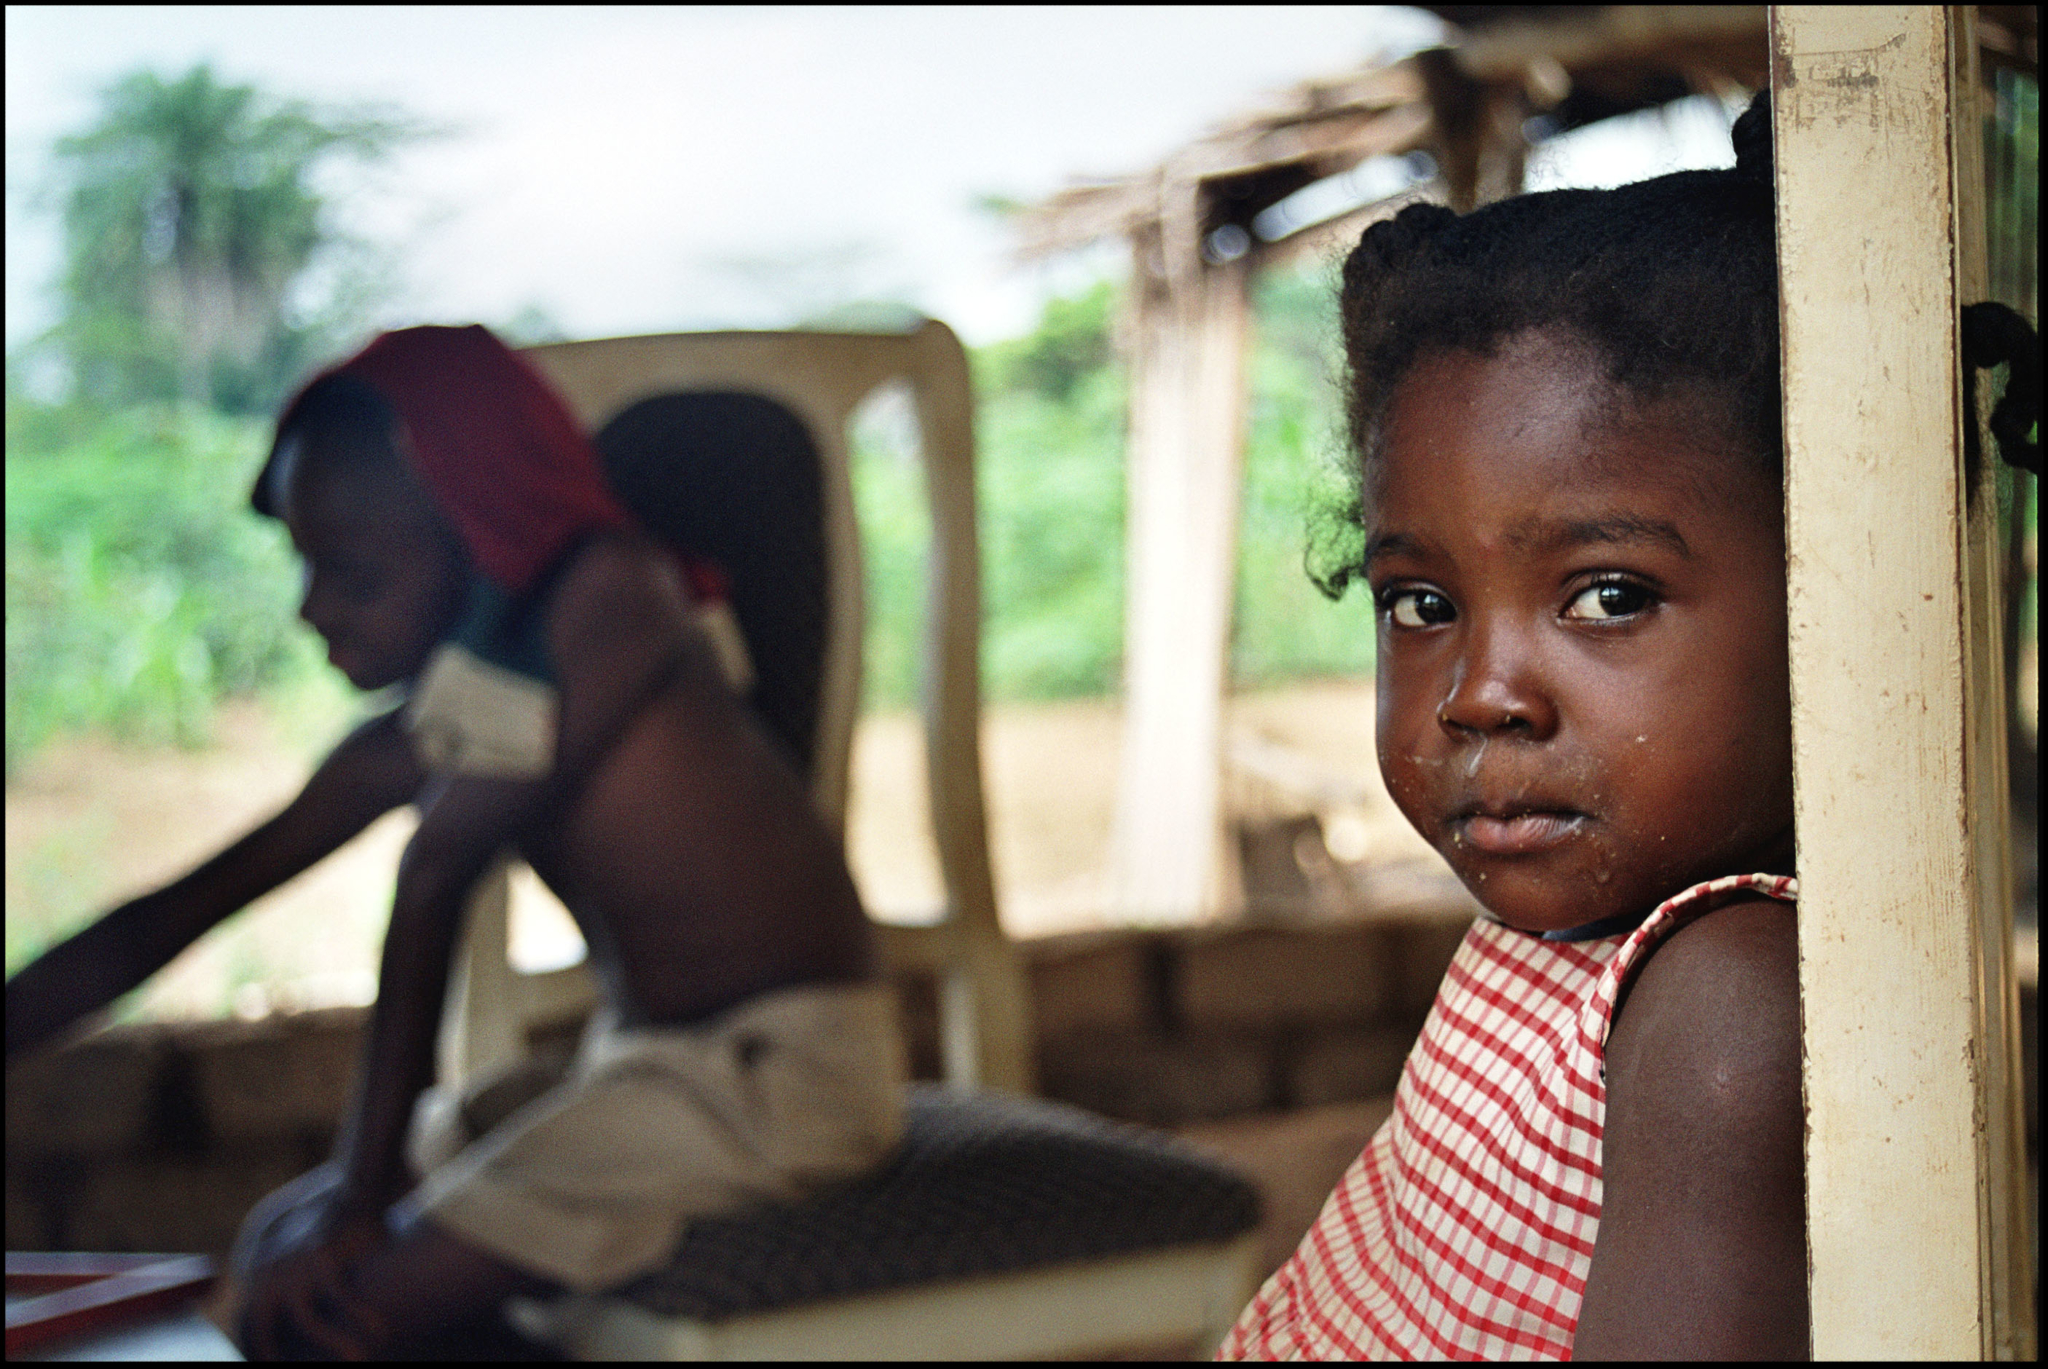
161	1136
1173	1028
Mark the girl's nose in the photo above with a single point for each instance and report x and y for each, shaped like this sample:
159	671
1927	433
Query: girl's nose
1497	691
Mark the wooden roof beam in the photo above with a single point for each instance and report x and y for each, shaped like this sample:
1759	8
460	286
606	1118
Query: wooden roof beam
1337	143
1327	147
1609	34
1379	88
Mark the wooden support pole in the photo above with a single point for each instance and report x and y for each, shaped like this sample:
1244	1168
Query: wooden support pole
1476	133
1170	861
1917	1233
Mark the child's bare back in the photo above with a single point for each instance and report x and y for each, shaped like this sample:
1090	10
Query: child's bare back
688	853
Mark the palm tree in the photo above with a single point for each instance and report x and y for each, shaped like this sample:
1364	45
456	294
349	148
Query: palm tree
189	211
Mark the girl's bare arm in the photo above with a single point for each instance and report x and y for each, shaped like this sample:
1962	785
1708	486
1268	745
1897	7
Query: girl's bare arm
1702	1245
370	773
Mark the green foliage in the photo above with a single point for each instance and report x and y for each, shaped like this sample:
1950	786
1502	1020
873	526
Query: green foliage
2012	158
1049	428
1051	498
189	215
1072	341
140	589
895	528
1050	411
1295	490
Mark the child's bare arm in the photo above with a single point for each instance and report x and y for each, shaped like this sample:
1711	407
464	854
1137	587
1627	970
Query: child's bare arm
1702	1245
370	773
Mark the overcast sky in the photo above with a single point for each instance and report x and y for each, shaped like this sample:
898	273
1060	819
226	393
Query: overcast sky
609	165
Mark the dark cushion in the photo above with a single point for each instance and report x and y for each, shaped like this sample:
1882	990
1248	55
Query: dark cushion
985	1183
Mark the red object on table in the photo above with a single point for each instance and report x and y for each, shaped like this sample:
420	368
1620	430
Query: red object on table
76	1293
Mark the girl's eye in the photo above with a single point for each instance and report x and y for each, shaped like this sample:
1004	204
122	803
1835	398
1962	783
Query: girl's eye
1417	607
1608	600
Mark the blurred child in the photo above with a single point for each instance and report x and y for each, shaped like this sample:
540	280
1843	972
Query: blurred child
460	543
1566	414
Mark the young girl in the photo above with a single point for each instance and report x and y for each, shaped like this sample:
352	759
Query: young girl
1566	413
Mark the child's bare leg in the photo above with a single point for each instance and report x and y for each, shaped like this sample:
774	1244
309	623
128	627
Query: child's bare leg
439	1297
435	1295
283	1220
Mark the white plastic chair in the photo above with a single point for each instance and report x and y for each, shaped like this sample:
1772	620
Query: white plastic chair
1184	1289
822	377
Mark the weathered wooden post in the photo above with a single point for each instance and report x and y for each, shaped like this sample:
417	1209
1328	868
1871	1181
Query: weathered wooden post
1917	1216
1188	322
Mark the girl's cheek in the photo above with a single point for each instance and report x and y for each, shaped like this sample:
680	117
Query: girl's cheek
1407	772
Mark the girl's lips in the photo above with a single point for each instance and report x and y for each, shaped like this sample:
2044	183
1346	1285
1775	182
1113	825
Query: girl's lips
1520	835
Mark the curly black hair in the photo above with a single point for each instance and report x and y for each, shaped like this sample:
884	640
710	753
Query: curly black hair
1673	282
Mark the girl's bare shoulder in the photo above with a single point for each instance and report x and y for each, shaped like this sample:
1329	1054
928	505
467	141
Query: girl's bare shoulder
1714	1015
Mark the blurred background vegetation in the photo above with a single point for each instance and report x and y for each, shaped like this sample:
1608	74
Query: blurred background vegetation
203	278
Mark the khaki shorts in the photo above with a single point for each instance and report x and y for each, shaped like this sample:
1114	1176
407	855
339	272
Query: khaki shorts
588	1177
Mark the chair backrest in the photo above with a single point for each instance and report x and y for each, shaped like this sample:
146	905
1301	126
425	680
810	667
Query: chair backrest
735	478
623	390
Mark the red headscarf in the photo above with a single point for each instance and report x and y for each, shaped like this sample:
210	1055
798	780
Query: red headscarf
496	447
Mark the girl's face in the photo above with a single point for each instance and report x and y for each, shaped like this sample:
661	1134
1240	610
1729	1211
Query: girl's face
384	580
1583	693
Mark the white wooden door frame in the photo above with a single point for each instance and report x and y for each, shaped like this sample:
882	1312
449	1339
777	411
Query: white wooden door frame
1916	1209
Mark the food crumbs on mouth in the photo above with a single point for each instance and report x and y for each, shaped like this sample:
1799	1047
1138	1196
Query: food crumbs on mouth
1642	739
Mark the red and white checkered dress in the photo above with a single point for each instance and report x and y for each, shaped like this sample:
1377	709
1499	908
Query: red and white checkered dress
1465	1229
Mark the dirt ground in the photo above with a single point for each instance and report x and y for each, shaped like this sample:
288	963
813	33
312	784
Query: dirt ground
90	822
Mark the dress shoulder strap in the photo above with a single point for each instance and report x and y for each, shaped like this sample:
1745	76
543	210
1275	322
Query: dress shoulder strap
1596	1018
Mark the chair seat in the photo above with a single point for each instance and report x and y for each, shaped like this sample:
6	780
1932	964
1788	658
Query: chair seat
984	1184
